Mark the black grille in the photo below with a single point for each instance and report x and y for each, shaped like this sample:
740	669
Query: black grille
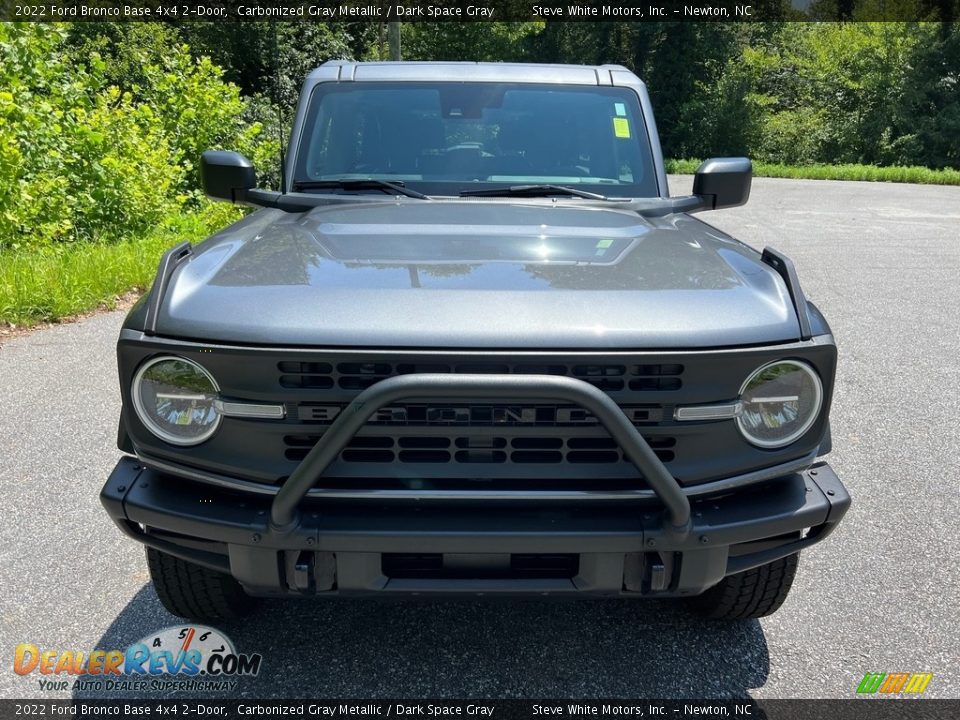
506	445
466	449
360	375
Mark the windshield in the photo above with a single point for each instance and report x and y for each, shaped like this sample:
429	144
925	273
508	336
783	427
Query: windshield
446	138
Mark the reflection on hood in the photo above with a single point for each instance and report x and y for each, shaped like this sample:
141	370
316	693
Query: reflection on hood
501	253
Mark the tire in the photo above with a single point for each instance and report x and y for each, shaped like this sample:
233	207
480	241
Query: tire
195	592
754	593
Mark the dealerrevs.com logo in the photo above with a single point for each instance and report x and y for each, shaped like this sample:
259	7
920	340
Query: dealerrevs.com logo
894	683
193	657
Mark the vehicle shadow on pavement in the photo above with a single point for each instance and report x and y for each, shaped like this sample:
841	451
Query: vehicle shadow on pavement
475	649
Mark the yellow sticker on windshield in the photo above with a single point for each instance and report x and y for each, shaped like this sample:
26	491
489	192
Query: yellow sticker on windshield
621	127
601	244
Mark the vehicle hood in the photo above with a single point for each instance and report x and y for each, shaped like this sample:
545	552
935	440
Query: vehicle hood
476	274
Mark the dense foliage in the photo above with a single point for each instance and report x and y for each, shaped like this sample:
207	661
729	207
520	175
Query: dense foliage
99	139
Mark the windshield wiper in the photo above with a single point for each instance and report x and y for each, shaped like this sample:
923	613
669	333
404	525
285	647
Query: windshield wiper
359	184
532	191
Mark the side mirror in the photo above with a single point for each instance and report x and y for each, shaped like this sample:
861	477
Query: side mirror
226	175
724	182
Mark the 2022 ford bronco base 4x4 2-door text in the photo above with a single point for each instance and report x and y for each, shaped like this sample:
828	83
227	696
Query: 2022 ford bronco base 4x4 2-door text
474	347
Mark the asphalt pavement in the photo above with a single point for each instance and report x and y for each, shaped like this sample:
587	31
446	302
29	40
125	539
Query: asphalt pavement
882	261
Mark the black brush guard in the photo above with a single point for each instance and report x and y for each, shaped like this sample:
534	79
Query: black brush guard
427	387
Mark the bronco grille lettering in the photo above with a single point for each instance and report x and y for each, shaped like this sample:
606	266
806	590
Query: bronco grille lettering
533	415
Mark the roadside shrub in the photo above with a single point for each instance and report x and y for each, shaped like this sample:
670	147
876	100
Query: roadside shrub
196	107
82	159
193	108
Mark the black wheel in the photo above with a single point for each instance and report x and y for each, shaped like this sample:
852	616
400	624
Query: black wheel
751	594
194	592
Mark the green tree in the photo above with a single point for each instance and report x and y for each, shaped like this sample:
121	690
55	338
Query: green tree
830	90
927	120
479	41
270	58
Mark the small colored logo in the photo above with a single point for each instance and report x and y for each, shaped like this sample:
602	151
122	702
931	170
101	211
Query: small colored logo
902	683
203	655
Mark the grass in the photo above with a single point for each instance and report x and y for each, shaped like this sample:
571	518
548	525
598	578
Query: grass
55	282
901	174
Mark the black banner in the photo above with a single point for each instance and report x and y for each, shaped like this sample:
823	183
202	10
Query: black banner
475	10
747	709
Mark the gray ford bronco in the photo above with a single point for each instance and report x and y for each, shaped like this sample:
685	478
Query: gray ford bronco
474	347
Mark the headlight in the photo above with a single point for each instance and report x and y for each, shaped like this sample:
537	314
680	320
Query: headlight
780	403
176	399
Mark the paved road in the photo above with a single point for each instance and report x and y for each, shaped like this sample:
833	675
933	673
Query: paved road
882	261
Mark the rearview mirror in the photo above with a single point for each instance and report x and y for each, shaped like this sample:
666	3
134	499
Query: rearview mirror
724	182
226	175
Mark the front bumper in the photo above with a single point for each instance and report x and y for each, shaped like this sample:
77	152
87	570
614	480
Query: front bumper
363	547
296	544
